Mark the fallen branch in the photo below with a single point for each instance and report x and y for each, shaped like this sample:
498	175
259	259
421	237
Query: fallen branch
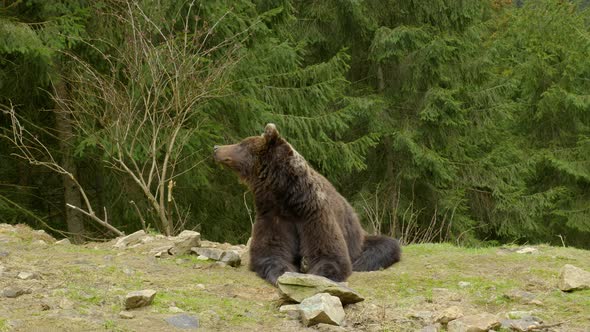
97	219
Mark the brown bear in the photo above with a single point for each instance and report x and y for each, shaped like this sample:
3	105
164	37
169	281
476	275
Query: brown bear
299	214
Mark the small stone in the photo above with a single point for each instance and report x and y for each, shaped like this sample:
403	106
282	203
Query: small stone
26	275
126	314
573	278
147	239
231	258
139	298
162	252
185	241
520	295
130	239
175	310
13	292
474	323
523	324
449	314
202	258
291	310
211	253
65	241
183	321
423	316
464	284
527	250
4	253
536	302
518	314
431	328
45	306
200	286
322	308
298	286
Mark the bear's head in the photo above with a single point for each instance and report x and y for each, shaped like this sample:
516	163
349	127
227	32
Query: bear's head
253	156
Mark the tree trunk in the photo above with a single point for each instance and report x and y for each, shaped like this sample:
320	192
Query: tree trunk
380	79
63	125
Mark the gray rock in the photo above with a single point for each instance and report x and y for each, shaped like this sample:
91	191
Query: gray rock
291	310
131	239
186	240
573	278
139	298
231	258
183	321
423	316
516	314
162	252
527	250
464	284
431	328
65	241
175	309
449	314
520	295
522	324
298	286
321	308
4	253
26	275
211	253
126	314
14	292
474	323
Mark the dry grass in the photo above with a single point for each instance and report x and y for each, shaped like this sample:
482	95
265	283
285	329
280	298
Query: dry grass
82	285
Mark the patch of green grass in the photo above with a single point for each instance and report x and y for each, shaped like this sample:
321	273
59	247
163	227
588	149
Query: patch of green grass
232	310
3	325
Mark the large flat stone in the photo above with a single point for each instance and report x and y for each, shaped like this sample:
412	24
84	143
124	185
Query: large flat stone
299	286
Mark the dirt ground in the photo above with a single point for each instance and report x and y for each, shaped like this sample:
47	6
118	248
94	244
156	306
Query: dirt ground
80	288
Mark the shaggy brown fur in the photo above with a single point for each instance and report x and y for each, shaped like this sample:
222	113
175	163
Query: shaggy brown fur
300	214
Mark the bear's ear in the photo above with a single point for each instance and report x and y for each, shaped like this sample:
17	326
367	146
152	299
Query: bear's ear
270	133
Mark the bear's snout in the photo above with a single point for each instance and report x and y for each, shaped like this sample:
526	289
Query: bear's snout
223	153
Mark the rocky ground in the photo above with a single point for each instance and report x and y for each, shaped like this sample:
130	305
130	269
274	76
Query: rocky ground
50	286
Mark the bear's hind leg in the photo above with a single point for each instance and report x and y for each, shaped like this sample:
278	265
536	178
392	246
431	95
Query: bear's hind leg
334	269
379	252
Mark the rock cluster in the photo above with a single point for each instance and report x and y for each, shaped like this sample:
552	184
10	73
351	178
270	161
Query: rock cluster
187	242
320	299
298	286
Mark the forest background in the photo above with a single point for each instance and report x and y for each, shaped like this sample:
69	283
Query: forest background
441	120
